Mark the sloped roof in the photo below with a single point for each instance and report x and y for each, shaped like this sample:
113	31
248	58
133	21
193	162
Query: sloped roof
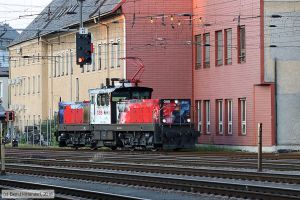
7	32
57	15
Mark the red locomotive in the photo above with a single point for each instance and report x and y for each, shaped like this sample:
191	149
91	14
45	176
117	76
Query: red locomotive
123	115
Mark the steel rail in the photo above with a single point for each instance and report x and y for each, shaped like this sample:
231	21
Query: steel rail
175	183
216	173
291	155
64	192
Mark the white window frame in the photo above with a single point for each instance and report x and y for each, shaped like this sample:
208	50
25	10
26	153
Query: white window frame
243	104
71	62
118	56
99	55
33	84
112	55
229	116
207	116
219	50
206	50
93	61
67	63
62	65
24	86
228	56
106	51
58	65
220	116
198	40
199	114
1	89
39	84
29	85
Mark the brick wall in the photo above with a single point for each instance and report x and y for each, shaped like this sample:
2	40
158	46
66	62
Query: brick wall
236	80
165	50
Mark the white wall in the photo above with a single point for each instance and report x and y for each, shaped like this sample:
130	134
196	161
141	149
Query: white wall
286	36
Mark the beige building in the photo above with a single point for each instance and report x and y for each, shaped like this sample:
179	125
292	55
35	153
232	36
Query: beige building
44	70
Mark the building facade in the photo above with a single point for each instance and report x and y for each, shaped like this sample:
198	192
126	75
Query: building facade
4	73
7	35
123	32
238	45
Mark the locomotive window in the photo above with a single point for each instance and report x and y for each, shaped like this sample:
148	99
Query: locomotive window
106	96
135	95
102	101
145	95
121	95
140	95
93	99
98	100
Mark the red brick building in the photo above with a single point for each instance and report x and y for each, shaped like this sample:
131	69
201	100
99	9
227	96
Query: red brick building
230	92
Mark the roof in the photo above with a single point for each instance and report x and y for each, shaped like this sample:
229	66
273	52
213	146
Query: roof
7	34
63	14
4	72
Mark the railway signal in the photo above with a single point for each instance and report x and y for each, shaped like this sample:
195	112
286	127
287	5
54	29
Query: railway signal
84	49
9	116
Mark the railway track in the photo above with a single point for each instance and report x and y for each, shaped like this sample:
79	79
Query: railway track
63	192
80	153
218	187
215	173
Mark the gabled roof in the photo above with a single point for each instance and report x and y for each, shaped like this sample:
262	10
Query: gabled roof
7	32
58	15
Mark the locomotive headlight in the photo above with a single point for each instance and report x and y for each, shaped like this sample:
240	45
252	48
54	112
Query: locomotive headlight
164	120
188	120
176	101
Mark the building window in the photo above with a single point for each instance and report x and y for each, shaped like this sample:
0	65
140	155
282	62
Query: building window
67	63
71	62
118	53
99	56
1	89
228	46
62	64
93	61
38	57
199	115
206	50
229	116
28	85
33	84
220	116
243	116
241	44
39	84
24	86
58	65
33	59
106	61
219	48
112	55
207	116
198	41
20	86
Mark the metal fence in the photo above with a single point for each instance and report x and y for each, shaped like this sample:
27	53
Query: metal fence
33	132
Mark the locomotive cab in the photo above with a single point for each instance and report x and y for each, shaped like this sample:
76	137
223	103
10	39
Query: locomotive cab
104	101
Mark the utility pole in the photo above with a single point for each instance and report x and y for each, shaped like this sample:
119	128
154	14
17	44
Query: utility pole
2	150
81	18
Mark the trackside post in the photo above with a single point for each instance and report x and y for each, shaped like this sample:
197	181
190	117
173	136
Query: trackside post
259	145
